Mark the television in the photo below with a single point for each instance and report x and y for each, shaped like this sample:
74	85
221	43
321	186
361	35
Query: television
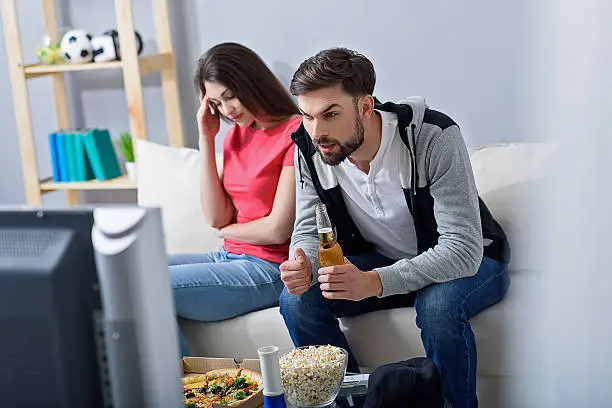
86	311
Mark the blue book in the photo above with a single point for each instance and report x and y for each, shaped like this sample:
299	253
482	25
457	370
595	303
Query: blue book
70	140
61	156
54	157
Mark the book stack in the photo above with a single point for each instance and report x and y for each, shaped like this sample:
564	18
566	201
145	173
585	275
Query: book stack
83	154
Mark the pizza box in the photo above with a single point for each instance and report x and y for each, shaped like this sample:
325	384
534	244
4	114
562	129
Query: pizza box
200	365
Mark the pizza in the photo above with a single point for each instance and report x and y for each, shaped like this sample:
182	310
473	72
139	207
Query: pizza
225	387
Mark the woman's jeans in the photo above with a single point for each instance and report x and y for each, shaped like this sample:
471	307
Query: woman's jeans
220	285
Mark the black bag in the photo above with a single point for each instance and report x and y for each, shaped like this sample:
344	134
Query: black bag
413	383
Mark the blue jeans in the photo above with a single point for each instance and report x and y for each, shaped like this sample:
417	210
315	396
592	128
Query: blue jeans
443	314
221	285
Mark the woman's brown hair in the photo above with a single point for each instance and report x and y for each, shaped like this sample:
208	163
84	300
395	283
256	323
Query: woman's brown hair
245	74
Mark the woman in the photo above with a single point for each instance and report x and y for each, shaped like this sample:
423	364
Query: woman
252	201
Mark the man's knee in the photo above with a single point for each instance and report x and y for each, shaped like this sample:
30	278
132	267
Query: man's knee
437	308
294	306
286	302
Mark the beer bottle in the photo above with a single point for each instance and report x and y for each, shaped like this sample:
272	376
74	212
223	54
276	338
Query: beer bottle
330	253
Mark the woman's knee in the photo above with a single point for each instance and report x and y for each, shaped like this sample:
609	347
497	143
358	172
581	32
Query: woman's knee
173	259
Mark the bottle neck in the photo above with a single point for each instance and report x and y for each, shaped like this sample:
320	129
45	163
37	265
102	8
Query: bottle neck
326	237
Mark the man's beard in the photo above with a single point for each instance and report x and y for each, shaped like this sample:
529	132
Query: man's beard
346	149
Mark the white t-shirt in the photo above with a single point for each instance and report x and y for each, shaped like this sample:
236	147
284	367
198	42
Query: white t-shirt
376	201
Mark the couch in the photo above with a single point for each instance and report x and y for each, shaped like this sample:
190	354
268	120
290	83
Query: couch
506	176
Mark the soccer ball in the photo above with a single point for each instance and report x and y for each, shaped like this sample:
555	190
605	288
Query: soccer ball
106	46
76	47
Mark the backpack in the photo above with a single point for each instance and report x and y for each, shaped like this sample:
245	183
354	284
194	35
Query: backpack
414	383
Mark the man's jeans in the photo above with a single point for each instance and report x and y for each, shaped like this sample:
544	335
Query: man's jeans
443	314
220	285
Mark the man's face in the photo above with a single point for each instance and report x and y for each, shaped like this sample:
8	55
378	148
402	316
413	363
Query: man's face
331	118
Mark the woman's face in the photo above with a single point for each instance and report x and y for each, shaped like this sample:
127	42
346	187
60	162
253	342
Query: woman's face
225	102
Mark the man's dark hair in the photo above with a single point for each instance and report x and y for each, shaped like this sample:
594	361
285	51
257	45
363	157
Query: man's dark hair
350	70
245	74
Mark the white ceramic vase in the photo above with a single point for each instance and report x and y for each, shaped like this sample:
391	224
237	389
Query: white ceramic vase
132	170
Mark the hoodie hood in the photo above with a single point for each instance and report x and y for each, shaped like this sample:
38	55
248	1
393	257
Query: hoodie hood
418	106
302	140
410	113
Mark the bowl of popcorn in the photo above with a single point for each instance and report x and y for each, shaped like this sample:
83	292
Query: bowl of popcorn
312	375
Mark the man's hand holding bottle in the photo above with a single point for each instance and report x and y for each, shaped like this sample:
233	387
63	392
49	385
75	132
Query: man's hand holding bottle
339	278
336	282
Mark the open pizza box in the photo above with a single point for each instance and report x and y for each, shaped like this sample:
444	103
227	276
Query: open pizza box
201	365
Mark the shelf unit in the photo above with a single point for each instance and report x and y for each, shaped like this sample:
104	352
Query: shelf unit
132	66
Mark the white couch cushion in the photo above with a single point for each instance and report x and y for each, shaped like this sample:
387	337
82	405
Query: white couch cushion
169	178
500	165
239	337
510	178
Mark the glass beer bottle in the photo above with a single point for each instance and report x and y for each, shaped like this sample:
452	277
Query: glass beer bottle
330	253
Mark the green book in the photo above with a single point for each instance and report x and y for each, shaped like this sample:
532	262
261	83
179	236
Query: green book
84	170
101	154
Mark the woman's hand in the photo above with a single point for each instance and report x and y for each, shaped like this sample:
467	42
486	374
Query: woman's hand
208	120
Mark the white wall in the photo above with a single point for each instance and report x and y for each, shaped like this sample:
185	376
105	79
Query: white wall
466	58
562	345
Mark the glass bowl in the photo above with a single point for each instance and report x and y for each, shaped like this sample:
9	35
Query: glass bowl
312	375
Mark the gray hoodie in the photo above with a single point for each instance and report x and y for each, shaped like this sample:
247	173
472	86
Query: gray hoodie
440	191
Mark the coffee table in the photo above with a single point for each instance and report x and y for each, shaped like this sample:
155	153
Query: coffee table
351	401
351	397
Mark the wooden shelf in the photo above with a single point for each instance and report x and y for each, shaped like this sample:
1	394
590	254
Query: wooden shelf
147	65
132	68
119	183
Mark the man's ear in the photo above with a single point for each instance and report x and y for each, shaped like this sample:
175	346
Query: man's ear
367	106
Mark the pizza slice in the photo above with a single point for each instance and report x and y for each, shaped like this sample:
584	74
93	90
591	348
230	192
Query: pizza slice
220	382
195	391
223	372
245	386
194	378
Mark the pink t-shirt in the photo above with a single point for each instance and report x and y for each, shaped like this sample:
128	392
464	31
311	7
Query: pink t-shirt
252	164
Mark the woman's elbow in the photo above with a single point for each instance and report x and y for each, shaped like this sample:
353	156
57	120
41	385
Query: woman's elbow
218	222
281	233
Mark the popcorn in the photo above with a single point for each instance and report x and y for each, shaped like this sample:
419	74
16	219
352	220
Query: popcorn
312	376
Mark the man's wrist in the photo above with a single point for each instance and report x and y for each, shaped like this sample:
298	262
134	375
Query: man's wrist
375	283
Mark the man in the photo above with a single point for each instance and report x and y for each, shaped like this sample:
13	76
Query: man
399	189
